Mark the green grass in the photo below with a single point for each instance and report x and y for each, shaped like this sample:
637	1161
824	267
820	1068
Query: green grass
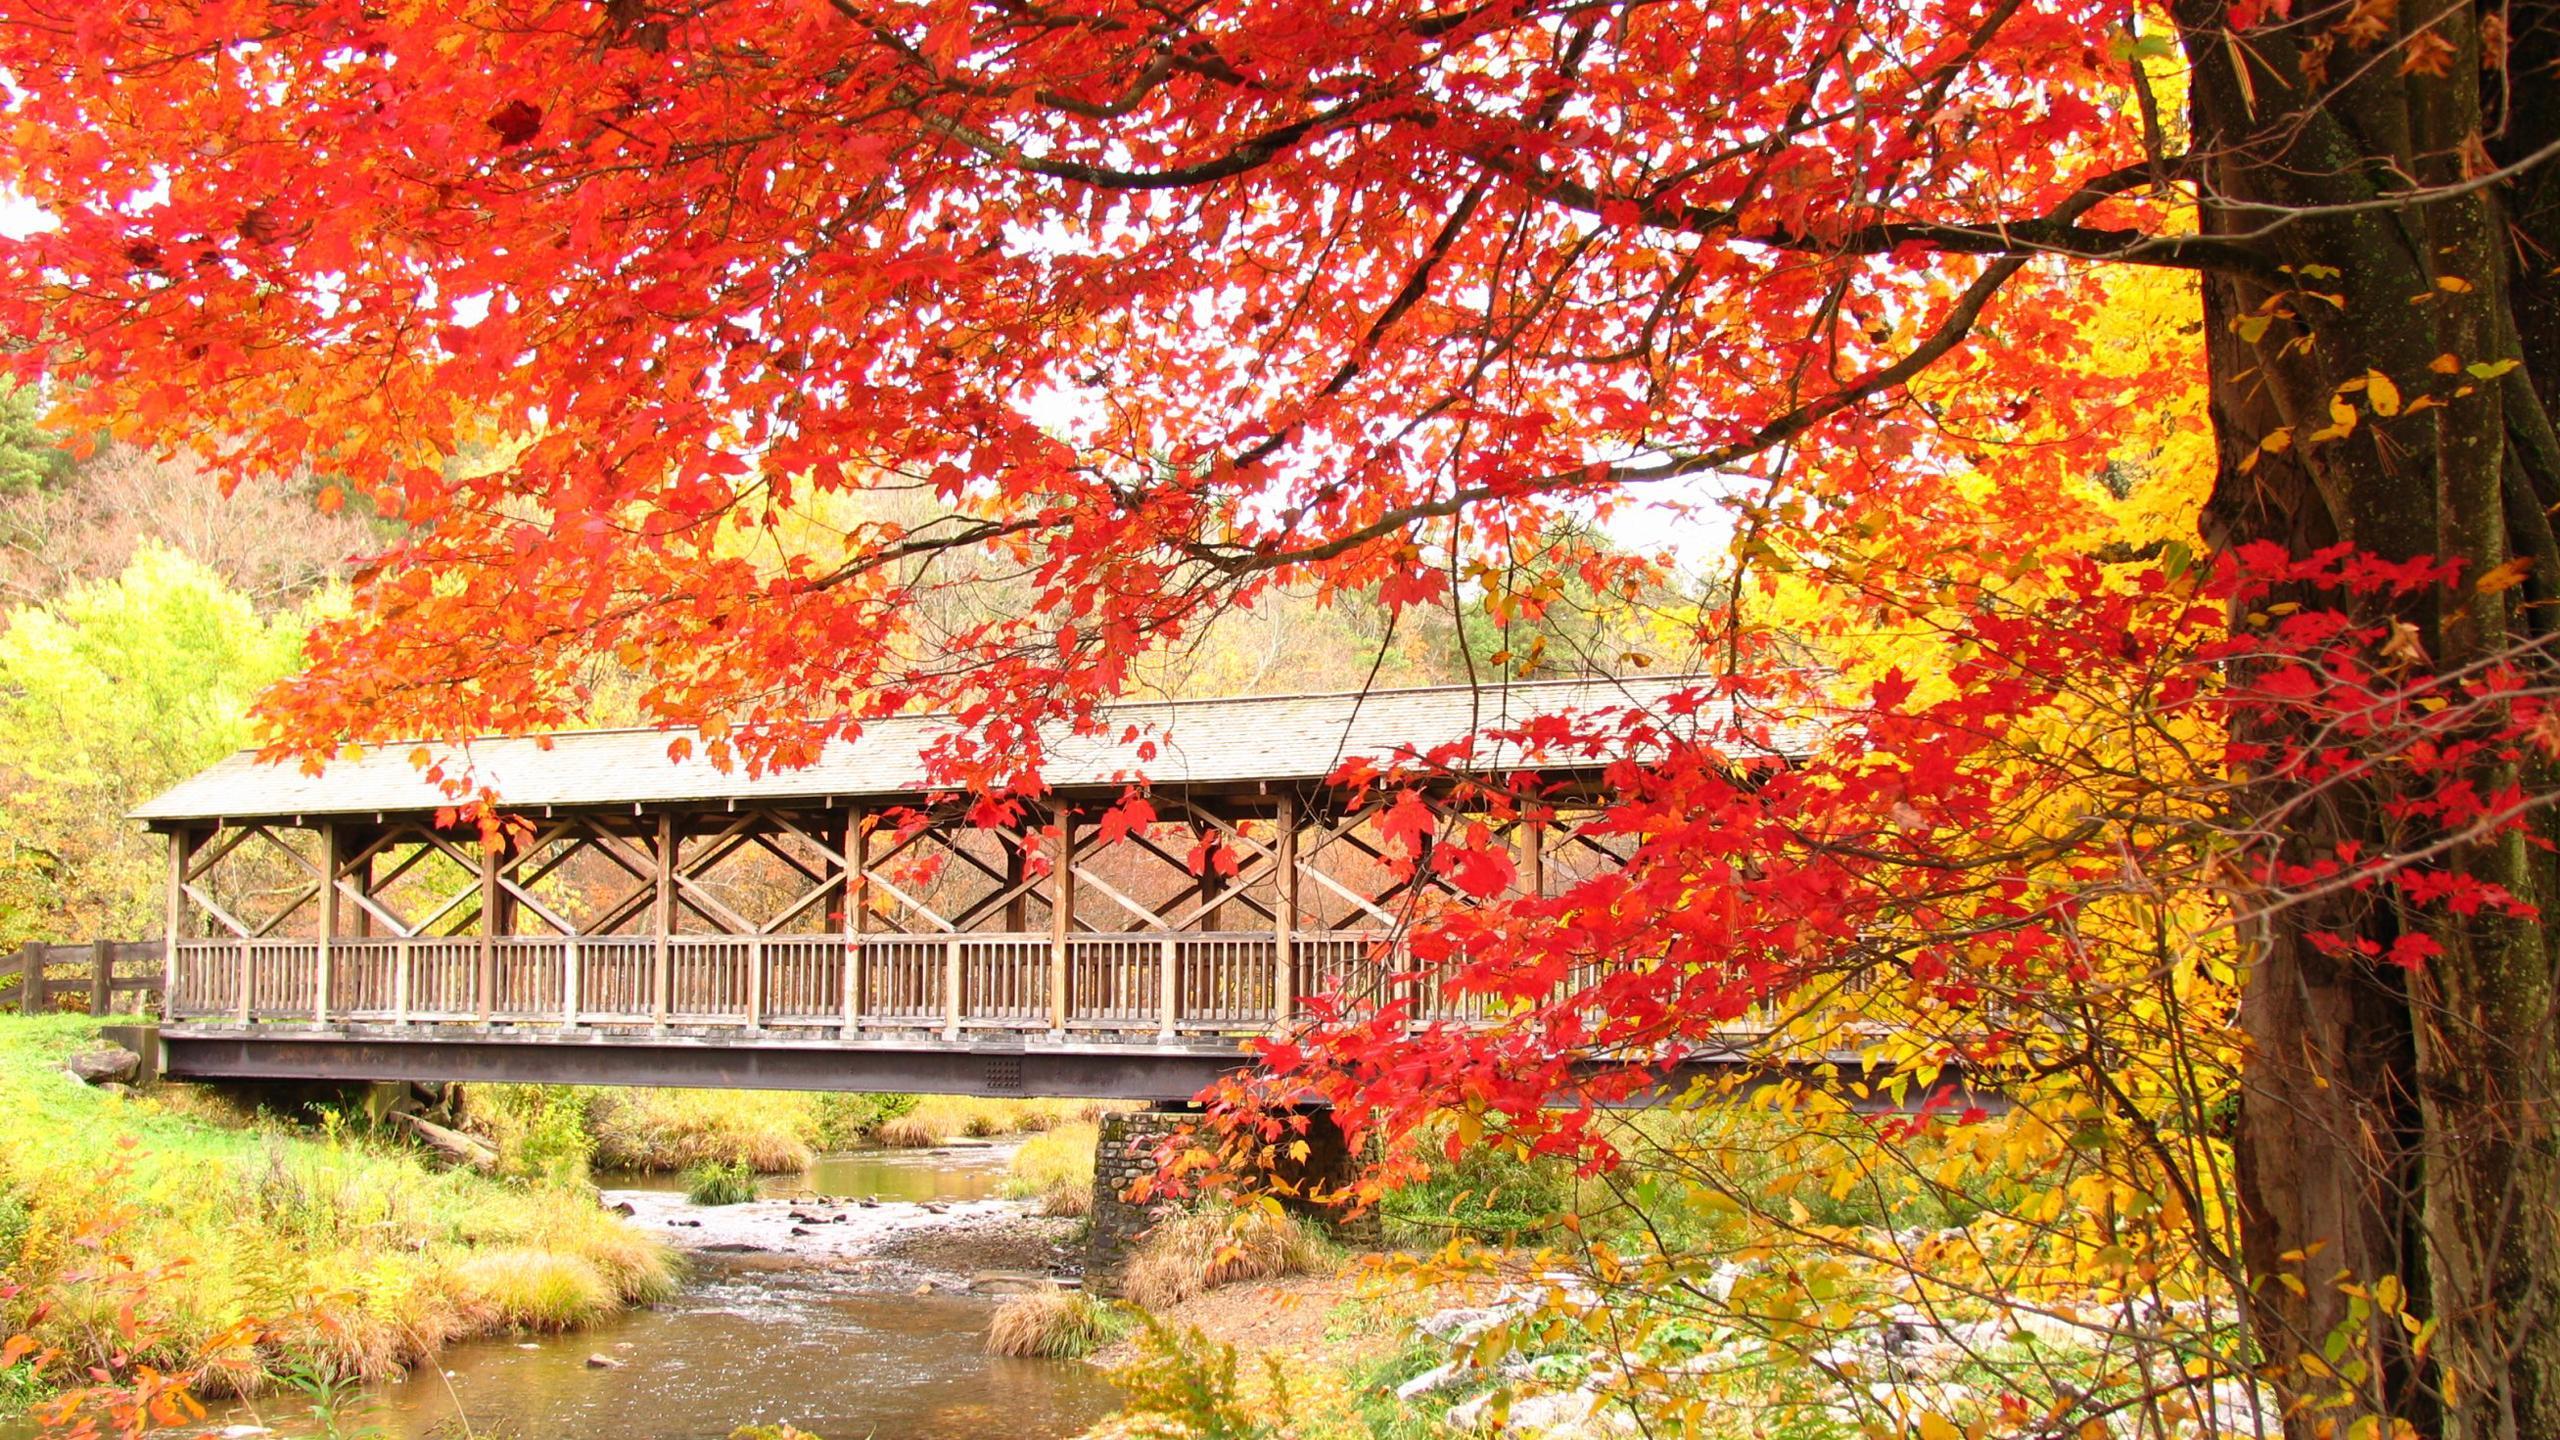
711	1182
350	1255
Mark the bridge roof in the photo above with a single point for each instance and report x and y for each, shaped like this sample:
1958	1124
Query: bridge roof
1198	743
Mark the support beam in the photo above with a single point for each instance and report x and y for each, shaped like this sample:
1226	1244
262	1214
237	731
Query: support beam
181	845
1284	914
662	917
1062	912
491	922
330	861
1533	853
857	908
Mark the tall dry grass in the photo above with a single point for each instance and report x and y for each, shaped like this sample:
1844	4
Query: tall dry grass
680	1129
937	1119
1053	1324
1200	1250
1055	1169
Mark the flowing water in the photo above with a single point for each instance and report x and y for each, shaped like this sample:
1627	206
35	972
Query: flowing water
753	1340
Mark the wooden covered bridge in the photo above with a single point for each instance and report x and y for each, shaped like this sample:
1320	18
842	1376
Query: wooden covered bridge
656	920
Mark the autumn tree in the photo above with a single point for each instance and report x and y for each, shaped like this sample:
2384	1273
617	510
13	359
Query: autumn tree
1169	305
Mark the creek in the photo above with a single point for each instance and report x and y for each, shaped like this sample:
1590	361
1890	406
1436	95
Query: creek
771	1327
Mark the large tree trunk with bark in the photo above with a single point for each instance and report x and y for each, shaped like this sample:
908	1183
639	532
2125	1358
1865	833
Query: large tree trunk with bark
2396	1124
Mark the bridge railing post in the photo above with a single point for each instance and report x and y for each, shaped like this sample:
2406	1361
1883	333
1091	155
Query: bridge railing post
102	976
755	982
569	978
1168	985
951	988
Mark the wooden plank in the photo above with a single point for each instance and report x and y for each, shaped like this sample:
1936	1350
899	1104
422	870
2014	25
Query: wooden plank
1062	912
1284	913
181	843
102	975
663	918
491	917
951	988
857	910
330	867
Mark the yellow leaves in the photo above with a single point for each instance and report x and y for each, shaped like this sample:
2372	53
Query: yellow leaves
1934	1426
2453	285
2342	418
2504	576
2381	394
2446	364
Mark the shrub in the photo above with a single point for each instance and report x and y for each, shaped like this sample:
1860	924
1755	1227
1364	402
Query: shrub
1054	1324
1184	1383
540	1131
537	1290
839	1119
711	1182
1200	1250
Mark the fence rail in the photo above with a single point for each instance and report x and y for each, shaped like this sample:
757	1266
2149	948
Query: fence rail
99	975
1166	984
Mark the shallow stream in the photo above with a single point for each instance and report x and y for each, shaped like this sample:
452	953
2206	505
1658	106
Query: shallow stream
759	1335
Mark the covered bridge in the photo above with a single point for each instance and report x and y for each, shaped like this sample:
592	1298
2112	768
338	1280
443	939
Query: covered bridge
660	921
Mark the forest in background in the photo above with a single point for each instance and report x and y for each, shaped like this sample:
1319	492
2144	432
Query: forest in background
146	610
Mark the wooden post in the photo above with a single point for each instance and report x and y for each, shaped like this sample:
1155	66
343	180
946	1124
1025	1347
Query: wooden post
662	972
490	920
181	850
951	987
1284	912
1062	913
1169	983
569	978
1533	854
329	866
31	992
102	976
755	982
857	860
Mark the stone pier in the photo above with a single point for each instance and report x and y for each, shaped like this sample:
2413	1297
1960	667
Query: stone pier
1124	1154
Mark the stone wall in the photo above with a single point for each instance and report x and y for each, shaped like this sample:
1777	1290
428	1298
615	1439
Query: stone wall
1125	1154
1122	1156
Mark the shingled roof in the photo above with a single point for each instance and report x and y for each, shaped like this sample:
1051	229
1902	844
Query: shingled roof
1198	743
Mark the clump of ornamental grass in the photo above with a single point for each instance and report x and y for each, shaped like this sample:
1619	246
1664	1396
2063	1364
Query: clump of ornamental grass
1054	1324
537	1290
1200	1250
713	1182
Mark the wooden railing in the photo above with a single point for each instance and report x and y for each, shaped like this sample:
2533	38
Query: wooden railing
102	974
1168	984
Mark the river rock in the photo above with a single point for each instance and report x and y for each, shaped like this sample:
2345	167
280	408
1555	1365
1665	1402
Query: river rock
603	1362
1008	1282
102	1063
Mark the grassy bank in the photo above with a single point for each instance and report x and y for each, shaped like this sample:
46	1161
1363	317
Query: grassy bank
351	1257
559	1130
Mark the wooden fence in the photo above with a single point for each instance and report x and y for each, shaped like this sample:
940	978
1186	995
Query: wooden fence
106	976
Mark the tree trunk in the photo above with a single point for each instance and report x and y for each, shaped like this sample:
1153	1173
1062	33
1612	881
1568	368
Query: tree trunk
2395	1124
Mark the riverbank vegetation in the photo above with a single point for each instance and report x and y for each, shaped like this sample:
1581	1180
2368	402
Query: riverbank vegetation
1054	1169
1055	1324
246	1248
